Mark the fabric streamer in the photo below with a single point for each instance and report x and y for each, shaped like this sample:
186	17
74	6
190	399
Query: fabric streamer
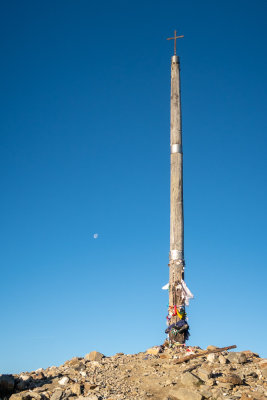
177	326
186	294
166	287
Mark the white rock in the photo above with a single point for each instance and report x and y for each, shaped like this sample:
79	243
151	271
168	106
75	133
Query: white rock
222	359
24	377
39	370
91	397
212	358
64	380
83	373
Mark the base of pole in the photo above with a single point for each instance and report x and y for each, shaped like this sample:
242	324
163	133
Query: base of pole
177	338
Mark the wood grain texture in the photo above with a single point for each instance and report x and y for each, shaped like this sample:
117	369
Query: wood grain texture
176	198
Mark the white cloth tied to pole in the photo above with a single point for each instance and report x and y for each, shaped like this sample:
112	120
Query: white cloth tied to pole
165	287
186	293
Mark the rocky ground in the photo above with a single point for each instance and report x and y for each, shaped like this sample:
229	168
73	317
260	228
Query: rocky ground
154	374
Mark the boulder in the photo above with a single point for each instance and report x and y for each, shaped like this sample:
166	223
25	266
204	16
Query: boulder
166	356
205	391
24	377
249	353
204	373
94	356
27	395
7	383
225	385
230	378
64	380
264	372
188	379
21	385
211	347
238	358
154	350
39	376
18	396
75	363
185	394
76	389
72	361
212	358
57	395
217	394
222	359
89	386
39	370
210	382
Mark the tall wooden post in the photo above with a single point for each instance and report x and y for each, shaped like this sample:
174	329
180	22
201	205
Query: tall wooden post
176	256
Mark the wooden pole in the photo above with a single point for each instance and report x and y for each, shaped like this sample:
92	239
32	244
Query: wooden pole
176	256
203	353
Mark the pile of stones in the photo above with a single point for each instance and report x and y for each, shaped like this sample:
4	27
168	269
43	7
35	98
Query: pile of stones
154	374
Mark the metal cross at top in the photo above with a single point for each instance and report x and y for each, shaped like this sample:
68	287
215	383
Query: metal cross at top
174	38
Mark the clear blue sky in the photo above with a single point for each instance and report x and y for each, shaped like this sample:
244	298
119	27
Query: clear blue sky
84	125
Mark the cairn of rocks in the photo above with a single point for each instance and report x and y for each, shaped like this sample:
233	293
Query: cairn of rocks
158	373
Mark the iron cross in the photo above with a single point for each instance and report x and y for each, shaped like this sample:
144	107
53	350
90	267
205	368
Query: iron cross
174	38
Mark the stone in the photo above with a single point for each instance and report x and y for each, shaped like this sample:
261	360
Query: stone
263	364
238	358
185	394
76	389
24	377
57	395
210	382
188	379
245	397
217	394
212	358
29	395
222	359
64	380
76	363
211	347
89	386
19	396
7	383
225	385
166	356
91	397
39	376
249	353
21	385
204	373
205	391
73	361
264	372
230	378
154	350
94	356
